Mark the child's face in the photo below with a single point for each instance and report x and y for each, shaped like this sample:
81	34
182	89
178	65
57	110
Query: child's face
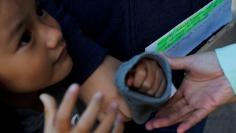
32	48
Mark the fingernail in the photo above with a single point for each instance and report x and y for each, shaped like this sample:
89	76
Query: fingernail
73	88
98	95
182	129
149	126
41	97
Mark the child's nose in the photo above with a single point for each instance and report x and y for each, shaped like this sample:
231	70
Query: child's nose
54	37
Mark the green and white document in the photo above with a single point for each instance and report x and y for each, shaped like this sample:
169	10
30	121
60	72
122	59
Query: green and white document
182	30
187	35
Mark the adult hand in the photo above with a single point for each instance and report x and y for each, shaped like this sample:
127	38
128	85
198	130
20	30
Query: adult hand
103	80
203	89
59	121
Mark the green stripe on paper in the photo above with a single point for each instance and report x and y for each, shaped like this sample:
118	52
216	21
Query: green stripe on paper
182	29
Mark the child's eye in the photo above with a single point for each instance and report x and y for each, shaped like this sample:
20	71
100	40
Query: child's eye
26	38
40	12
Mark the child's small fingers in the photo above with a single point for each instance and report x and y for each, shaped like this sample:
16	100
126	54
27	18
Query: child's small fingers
160	83
140	75
130	77
155	86
151	67
67	106
89	117
107	124
49	109
130	80
119	125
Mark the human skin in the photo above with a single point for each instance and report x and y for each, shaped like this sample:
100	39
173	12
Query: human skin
32	49
32	52
57	120
147	77
103	80
203	90
33	56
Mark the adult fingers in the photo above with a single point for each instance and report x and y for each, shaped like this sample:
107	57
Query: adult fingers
177	96
180	110
150	126
107	123
63	115
165	110
194	118
49	110
178	63
88	118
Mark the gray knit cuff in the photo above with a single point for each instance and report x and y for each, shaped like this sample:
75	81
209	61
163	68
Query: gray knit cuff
142	105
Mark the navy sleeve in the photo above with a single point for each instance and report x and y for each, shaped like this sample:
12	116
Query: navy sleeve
86	54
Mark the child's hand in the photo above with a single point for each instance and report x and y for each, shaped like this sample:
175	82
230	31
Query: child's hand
59	121
147	77
103	80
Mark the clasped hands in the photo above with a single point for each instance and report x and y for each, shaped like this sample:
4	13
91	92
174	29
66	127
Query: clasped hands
203	90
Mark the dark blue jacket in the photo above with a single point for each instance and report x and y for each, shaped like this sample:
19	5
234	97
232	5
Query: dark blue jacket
95	28
121	28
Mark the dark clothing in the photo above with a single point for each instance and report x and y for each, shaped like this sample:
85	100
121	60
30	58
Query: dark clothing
25	120
123	28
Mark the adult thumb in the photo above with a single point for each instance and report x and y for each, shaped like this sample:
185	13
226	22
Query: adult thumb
179	63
